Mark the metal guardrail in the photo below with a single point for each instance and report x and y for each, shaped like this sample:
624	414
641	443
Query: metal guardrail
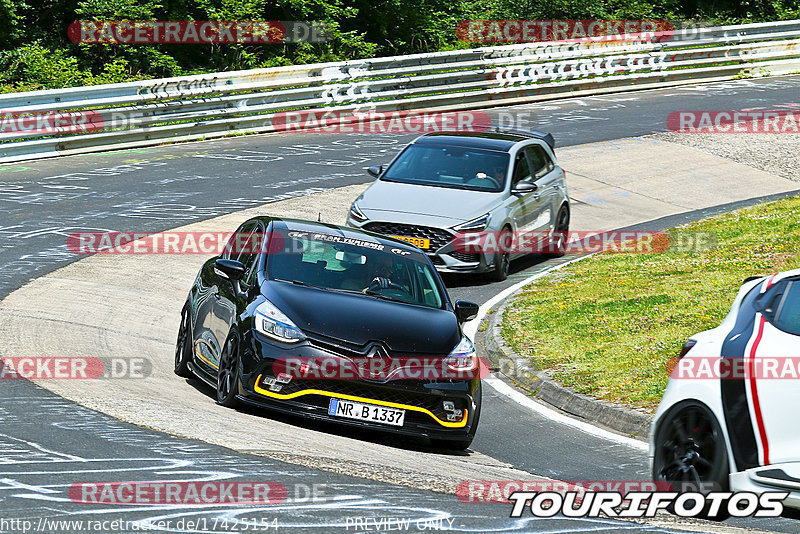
151	112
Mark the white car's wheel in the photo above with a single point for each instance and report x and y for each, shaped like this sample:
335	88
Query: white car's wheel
690	451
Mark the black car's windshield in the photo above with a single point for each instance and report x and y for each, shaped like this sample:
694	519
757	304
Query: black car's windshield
450	166
354	265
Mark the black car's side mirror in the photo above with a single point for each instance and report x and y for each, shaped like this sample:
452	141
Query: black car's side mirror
466	310
524	187
375	170
231	269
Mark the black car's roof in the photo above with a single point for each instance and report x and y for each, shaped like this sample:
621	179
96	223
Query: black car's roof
299	225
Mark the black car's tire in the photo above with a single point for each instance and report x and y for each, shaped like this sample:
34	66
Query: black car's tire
558	242
183	347
463	444
691	454
502	260
228	374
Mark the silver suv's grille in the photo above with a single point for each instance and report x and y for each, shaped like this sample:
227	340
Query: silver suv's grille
437	236
466	257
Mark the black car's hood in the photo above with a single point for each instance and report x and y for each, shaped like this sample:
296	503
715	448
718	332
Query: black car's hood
359	320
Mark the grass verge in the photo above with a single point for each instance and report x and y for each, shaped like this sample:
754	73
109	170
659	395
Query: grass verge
606	326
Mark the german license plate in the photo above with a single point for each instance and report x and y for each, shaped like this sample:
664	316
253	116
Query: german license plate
418	241
366	412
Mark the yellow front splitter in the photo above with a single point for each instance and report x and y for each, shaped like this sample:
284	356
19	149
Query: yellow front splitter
448	424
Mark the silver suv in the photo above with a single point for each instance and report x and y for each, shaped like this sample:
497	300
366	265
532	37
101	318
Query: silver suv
445	185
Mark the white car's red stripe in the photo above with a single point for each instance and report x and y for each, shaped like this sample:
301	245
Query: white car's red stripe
762	431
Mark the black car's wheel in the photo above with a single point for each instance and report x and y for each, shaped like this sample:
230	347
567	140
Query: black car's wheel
463	444
228	374
558	242
690	452
502	258
183	347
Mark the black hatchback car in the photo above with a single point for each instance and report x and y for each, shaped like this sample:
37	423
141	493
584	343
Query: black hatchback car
334	324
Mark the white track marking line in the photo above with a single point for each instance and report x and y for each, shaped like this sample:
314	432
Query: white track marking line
523	400
471	329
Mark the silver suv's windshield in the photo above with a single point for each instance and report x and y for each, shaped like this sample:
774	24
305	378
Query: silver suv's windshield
353	265
474	169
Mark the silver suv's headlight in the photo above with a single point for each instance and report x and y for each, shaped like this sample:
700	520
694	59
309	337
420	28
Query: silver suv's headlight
356	214
463	357
273	323
475	225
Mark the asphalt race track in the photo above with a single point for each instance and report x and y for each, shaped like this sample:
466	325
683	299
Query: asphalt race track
155	189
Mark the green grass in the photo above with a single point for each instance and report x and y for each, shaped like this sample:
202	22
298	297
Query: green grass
606	326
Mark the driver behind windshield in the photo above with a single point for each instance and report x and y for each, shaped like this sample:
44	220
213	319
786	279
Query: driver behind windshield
381	271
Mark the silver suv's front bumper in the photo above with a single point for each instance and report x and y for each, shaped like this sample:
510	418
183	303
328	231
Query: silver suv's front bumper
442	253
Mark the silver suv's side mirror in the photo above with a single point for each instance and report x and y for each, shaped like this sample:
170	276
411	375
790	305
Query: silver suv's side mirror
375	170
524	187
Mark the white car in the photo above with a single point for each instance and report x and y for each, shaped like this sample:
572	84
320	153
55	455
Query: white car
737	428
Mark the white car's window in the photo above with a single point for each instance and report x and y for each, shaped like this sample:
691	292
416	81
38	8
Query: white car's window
787	316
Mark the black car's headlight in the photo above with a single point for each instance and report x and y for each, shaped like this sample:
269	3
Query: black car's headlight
356	214
273	323
475	225
463	357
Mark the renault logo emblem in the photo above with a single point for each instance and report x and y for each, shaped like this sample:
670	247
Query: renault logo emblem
377	351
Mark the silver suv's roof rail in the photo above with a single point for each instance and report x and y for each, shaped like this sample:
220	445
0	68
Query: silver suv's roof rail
546	137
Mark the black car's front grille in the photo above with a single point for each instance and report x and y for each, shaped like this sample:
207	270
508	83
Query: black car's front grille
437	236
341	347
367	391
436	260
465	257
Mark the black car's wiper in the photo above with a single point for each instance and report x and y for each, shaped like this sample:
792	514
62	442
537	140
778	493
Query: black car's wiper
340	290
351	291
299	283
384	297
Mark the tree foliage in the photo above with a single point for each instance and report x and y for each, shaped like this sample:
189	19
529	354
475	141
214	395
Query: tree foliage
37	53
